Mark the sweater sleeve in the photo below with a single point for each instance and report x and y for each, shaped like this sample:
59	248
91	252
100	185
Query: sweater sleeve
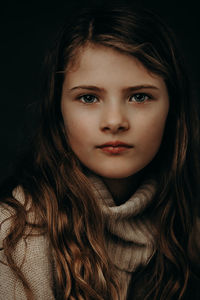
33	256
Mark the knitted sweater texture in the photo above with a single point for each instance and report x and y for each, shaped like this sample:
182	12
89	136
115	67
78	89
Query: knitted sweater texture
129	237
129	234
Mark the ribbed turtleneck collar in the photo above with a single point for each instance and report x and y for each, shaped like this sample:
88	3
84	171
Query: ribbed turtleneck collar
129	233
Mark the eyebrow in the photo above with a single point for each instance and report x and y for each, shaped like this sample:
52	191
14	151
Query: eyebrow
128	89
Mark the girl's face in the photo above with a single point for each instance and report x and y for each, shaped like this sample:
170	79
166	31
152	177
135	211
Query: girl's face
114	112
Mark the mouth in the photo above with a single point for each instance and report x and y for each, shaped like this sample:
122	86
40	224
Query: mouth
115	147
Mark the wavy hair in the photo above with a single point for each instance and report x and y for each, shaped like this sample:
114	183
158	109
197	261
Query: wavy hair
62	198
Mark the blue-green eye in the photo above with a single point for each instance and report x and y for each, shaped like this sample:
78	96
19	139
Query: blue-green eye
88	99
139	97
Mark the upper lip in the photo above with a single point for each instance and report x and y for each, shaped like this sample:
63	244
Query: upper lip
115	144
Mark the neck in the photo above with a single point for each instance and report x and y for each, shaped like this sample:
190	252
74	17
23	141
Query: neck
121	189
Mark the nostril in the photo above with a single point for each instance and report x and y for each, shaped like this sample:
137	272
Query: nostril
114	124
106	128
115	128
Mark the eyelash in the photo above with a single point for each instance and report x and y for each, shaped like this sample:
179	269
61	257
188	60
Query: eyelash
86	95
144	95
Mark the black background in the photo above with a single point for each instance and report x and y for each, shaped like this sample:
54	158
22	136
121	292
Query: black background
27	29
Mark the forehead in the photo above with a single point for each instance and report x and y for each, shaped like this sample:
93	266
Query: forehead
97	64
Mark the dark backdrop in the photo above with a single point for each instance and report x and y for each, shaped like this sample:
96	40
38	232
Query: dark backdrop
26	32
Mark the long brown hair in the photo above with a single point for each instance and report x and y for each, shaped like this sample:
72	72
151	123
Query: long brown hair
62	198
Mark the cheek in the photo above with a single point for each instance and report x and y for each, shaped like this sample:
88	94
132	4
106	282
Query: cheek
79	128
74	131
151	131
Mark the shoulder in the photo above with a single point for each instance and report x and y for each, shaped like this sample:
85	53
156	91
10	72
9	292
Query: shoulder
7	212
32	254
19	206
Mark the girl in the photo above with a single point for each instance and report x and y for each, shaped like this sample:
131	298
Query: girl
103	205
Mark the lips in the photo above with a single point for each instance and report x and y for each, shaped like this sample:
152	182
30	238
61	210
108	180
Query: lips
115	147
115	144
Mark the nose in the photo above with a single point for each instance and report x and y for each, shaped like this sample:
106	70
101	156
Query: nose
114	120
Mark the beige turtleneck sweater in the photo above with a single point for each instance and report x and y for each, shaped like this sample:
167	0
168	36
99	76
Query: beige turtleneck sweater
129	238
129	234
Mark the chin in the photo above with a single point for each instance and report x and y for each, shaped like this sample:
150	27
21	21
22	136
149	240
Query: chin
114	174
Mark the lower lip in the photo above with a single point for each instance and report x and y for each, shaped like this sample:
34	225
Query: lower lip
115	150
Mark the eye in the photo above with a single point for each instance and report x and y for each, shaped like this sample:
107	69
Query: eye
140	97
88	98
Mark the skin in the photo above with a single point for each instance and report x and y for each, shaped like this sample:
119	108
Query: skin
110	96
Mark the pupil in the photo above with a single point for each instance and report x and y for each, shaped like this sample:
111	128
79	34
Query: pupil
89	98
140	97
